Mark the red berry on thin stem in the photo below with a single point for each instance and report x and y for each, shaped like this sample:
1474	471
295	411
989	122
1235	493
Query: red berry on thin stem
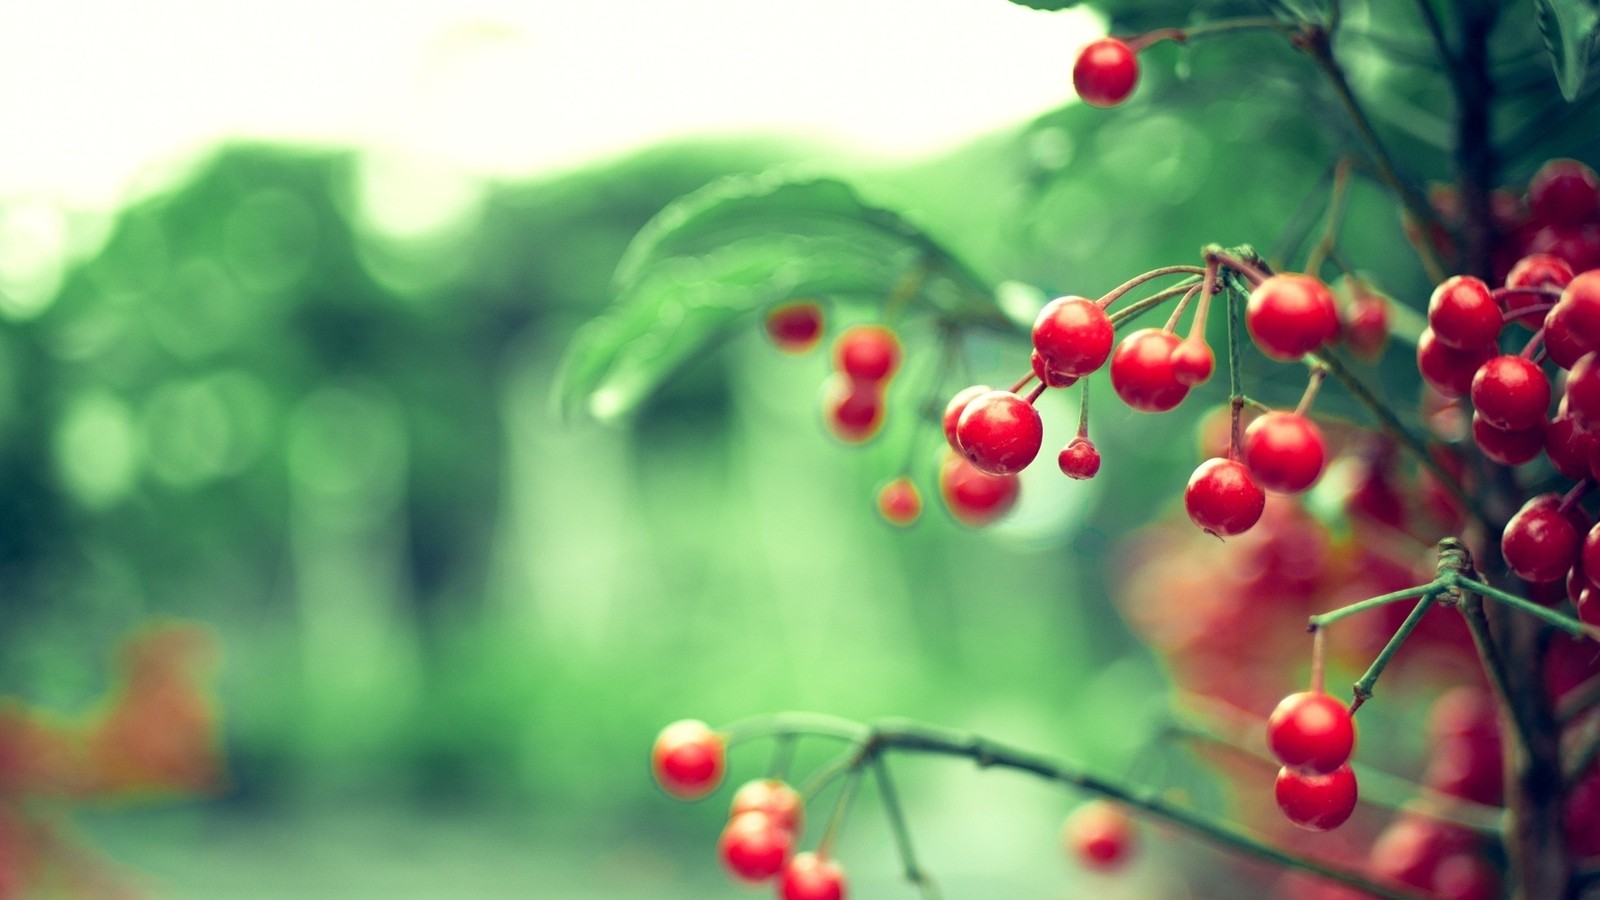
1291	315
754	846
1222	498
854	409
1312	732
1366	322
1073	336
1105	72
1511	392
1463	314
773	797
1142	374
1193	362
867	353
1564	192
795	327
1316	802
1446	369
1540	543
1285	452
1079	459
1508	446
812	877
957	405
1000	433
974	497
899	502
688	759
1100	834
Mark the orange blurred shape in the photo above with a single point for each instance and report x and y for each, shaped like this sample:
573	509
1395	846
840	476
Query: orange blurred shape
159	728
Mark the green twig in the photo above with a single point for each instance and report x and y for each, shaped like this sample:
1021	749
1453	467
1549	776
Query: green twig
1328	618
1362	689
1564	622
902	835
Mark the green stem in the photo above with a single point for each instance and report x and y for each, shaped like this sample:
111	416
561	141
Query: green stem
1471	607
1134	309
792	723
1344	612
1141	278
841	809
902	835
1362	689
1579	700
1564	622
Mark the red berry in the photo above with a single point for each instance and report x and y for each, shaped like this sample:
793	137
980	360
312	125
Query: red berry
1291	315
1047	376
1285	452
867	353
1079	459
1564	192
1365	322
1579	313
754	846
1222	498
1539	543
795	327
1562	341
957	405
811	877
1446	369
854	409
1577	245
1411	848
1193	363
1589	556
1316	802
974	497
1106	72
1311	732
1534	271
1583	390
1000	433
1073	336
1511	392
1141	371
1463	314
1100	834
1508	447
688	759
773	797
899	502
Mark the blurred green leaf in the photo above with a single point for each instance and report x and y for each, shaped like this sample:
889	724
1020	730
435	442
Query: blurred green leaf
1569	28
739	246
1051	5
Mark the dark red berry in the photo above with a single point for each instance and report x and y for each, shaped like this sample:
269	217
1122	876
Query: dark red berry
1589	556
1100	834
1446	369
811	877
1222	498
1141	371
773	797
1079	459
999	432
973	497
1569	447
1577	245
1316	802
954	409
1291	315
1105	72
1508	447
854	409
1047	376
1511	393
688	759
867	353
1366	323
1073	336
754	846
1285	452
1583	390
1579	313
1564	192
1539	543
1193	362
899	502
1463	314
1311	732
795	327
1562	341
1536	270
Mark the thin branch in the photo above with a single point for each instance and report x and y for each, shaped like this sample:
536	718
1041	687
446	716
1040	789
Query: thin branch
902	835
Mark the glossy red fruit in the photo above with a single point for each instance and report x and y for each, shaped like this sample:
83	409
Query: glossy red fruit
754	846
1079	459
956	406
1578	245
1222	498
1536	270
973	497
899	502
1508	447
1285	452
1579	313
853	409
1583	390
795	327
1193	362
1099	834
1562	342
1291	315
1047	376
1073	336
1366	324
1311	732
1105	72
1463	314
811	877
1141	371
867	353
1539	543
1564	192
688	759
999	433
1316	802
773	797
1446	369
1511	392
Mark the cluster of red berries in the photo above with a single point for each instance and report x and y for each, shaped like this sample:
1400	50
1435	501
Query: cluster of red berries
1313	735
757	845
1558	214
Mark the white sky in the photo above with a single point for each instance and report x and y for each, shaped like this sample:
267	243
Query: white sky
94	91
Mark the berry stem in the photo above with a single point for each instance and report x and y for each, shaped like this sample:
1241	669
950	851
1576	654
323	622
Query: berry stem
1252	271
841	810
1083	408
1318	622
1022	382
782	756
1319	374
791	723
1318	671
1330	229
1034	394
902	834
1177	311
906	290
1106	301
1362	689
1235	351
1535	344
1579	700
1156	299
1242	23
1574	495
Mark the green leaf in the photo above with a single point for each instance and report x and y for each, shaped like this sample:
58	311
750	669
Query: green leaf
712	260
1570	29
